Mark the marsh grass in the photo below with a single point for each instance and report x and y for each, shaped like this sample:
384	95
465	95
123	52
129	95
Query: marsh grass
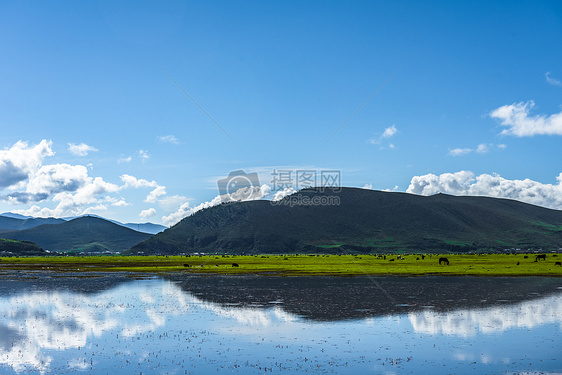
343	265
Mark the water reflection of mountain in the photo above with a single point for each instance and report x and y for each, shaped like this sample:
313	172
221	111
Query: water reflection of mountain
336	298
42	318
85	283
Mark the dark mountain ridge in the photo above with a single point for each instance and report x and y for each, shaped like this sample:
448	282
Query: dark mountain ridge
10	223
86	234
363	221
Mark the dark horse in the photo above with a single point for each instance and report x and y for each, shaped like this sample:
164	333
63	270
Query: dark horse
558	264
542	256
444	260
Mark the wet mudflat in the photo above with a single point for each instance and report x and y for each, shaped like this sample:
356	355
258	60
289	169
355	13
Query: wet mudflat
181	324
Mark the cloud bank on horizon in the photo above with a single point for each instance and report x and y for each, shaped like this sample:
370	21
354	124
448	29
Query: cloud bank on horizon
467	183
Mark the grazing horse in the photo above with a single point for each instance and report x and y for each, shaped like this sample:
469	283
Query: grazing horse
539	257
444	260
558	264
235	265
186	265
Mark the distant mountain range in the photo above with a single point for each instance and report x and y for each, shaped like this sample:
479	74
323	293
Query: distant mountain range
84	234
362	221
12	221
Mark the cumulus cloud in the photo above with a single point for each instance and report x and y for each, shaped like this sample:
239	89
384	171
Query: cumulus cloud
520	124
258	192
20	160
74	193
482	148
145	214
56	178
467	183
368	187
81	150
552	81
168	139
69	186
118	203
153	196
132	181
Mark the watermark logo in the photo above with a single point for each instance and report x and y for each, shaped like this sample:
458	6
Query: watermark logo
299	199
239	186
298	179
285	189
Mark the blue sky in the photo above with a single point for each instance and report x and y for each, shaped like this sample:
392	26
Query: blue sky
92	122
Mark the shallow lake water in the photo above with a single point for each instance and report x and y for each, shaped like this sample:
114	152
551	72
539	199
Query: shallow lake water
117	324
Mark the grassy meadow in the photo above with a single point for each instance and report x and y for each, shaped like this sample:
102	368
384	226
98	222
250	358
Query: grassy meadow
288	265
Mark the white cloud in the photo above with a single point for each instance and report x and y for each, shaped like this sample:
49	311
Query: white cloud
170	203
132	181
124	159
460	151
56	178
280	194
94	209
552	81
19	161
145	214
73	191
258	192
368	186
466	183
388	133
516	118
80	150
390	190
120	203
168	139
155	194
144	155
183	211
482	148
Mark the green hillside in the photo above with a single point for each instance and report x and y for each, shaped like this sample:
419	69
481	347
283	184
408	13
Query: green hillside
13	247
85	234
363	221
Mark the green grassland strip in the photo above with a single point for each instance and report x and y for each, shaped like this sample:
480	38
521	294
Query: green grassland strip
289	265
